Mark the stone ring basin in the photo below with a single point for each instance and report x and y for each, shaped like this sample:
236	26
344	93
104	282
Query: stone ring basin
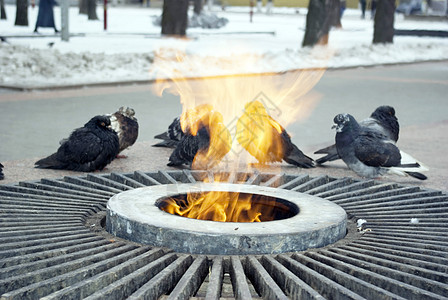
136	215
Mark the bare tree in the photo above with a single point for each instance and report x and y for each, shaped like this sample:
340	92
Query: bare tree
91	10
175	17
384	22
21	13
198	5
322	15
83	7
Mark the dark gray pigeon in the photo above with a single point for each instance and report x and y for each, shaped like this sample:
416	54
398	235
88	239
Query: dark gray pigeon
371	154
124	123
172	136
87	149
188	146
2	176
383	120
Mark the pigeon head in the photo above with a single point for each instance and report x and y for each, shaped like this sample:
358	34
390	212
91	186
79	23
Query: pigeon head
385	110
99	121
342	122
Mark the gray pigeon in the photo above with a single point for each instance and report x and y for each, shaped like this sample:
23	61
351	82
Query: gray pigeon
383	119
87	149
124	123
370	153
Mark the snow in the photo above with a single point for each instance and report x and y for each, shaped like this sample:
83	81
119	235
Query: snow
131	44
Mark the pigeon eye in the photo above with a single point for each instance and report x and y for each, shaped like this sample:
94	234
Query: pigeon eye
103	124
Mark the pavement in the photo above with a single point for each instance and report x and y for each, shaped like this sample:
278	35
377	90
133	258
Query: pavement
424	124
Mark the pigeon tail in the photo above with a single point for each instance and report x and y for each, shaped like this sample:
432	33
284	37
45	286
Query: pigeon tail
162	136
408	160
50	162
417	175
332	154
297	158
166	144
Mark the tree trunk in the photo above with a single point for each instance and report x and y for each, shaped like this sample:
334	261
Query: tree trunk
91	10
3	11
83	7
175	17
322	15
384	22
21	13
197	8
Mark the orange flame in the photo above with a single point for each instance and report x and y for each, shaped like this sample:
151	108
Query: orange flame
238	111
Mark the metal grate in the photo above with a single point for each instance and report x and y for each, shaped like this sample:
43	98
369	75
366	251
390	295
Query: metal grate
52	245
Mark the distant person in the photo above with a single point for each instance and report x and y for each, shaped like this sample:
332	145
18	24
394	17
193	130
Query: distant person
363	8
45	17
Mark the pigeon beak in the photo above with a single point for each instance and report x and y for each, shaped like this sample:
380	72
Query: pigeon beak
338	127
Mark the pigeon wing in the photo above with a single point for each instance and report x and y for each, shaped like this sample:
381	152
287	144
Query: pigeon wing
373	149
81	150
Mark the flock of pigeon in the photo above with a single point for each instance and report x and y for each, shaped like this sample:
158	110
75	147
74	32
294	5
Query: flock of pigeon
367	147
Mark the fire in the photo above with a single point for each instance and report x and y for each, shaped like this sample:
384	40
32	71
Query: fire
226	207
259	133
240	113
216	206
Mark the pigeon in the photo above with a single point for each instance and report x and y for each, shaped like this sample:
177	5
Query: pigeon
370	153
383	119
266	140
175	132
125	125
87	149
2	176
205	142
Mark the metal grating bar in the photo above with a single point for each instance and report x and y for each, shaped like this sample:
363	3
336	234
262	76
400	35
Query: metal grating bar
103	180
312	183
403	266
59	190
75	188
145	179
274	181
126	180
215	279
49	280
418	260
323	285
189	176
164	281
239	282
329	187
262	281
398	282
91	184
38	264
292	285
433	256
294	182
107	277
350	280
191	280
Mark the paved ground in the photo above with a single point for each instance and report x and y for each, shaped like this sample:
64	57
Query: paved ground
34	122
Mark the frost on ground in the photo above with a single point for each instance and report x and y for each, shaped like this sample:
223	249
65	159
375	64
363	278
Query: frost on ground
21	65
